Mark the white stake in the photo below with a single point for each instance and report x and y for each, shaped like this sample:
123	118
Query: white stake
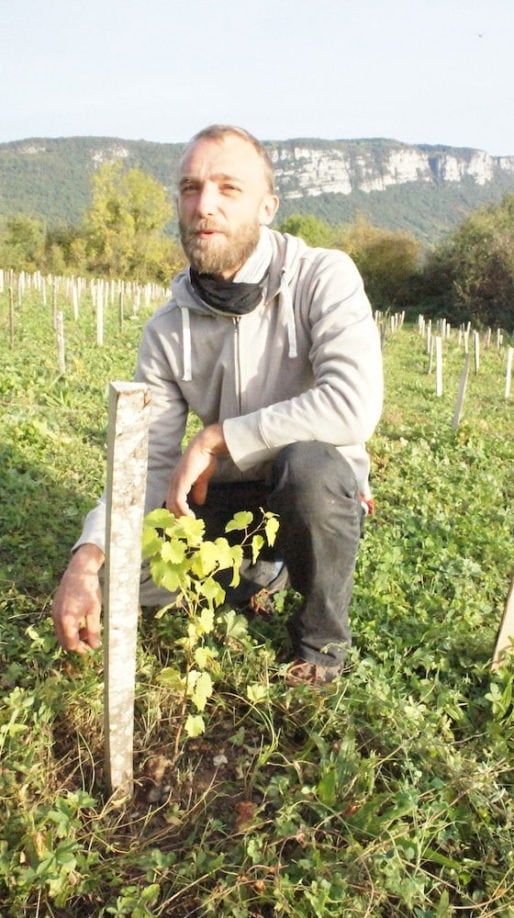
438	366
100	315
121	310
508	375
505	636
126	484
54	303
461	393
476	350
75	300
59	333
11	317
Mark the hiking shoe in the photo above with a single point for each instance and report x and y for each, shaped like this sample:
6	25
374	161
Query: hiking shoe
259	582
301	672
260	603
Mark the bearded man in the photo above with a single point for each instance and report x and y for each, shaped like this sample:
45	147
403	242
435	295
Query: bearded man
272	344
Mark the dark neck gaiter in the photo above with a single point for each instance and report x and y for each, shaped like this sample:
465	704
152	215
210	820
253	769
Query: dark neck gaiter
228	297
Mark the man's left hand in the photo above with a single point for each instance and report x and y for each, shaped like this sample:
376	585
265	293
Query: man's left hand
195	469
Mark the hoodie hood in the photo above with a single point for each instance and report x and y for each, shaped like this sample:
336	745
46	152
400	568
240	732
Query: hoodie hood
274	263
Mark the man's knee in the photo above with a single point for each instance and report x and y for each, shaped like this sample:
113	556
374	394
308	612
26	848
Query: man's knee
314	471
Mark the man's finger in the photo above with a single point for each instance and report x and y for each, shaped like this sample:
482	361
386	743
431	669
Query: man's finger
90	633
70	639
176	501
75	634
90	637
199	491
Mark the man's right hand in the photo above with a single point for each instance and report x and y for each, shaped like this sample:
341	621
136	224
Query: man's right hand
78	601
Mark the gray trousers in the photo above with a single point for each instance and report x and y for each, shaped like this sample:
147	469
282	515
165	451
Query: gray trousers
313	490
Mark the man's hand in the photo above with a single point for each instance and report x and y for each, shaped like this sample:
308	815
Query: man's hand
77	602
195	470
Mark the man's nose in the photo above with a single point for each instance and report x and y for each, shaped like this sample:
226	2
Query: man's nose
207	202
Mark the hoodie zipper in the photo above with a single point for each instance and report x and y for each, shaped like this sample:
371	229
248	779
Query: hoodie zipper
237	362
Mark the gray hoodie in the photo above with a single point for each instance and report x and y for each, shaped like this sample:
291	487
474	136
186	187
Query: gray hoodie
303	365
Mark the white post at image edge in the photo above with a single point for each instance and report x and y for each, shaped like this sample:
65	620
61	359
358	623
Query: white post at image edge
129	406
505	636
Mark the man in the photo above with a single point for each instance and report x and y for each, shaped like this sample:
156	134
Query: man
273	345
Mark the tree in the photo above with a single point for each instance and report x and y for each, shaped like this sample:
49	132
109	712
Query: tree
470	276
65	250
22	243
387	259
312	230
125	225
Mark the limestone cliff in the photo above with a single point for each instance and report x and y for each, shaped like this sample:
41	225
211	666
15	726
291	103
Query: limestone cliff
306	169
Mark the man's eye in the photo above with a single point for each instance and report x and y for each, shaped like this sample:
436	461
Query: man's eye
227	187
190	188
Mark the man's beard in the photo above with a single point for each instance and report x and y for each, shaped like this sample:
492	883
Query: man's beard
219	254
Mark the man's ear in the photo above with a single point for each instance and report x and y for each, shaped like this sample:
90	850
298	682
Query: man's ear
268	209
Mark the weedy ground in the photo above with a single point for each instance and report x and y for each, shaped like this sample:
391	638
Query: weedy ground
387	794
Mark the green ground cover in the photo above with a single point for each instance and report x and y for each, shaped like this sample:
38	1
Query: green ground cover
387	794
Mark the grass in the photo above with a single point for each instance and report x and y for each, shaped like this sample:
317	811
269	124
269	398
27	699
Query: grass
388	794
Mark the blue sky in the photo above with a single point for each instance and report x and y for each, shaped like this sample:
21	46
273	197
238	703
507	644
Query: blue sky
418	71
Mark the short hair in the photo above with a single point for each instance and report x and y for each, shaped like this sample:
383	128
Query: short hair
220	131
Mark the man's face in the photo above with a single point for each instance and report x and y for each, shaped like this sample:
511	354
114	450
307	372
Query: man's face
223	201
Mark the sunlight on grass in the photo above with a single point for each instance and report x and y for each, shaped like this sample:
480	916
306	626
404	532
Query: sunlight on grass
387	794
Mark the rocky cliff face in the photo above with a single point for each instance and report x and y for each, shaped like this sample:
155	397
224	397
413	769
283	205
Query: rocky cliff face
307	168
347	166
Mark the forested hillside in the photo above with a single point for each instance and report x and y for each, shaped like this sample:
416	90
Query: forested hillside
423	190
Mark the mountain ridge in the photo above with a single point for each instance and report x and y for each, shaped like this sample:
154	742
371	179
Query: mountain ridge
424	189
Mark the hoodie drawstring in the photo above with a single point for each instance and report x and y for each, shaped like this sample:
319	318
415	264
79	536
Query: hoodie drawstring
186	345
287	300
